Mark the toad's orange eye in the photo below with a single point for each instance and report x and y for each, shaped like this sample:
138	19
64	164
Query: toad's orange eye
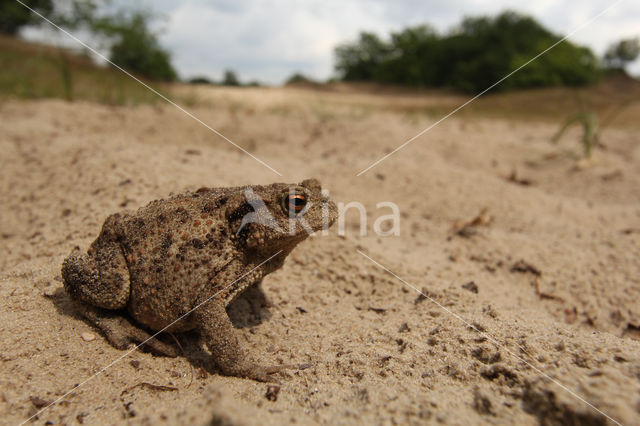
295	203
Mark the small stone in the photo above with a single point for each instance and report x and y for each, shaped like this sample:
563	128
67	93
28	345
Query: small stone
87	337
471	286
404	327
38	402
49	292
272	392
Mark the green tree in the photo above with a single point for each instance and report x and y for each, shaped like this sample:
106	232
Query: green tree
619	54
200	80
488	49
230	79
412	57
476	54
14	16
299	78
134	46
361	60
127	34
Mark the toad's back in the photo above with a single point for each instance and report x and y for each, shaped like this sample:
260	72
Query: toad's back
174	250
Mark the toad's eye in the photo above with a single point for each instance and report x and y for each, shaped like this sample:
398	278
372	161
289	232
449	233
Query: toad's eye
294	203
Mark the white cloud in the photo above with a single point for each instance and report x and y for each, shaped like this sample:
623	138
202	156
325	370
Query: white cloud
264	40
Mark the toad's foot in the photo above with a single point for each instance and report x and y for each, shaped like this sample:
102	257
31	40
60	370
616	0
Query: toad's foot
121	333
218	334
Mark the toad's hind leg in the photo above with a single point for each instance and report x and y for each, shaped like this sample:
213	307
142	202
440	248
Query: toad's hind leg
98	282
120	332
99	278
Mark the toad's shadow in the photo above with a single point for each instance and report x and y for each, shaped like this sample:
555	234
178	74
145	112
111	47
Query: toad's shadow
248	310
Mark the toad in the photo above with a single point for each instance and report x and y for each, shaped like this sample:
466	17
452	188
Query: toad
175	264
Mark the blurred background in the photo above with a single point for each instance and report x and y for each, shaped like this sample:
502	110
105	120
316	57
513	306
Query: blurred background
464	45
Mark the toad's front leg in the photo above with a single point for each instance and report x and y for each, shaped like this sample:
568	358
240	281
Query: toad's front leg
219	335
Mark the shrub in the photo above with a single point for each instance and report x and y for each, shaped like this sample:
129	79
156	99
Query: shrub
476	54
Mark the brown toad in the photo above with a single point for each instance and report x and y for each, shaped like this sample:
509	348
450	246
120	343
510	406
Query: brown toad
176	264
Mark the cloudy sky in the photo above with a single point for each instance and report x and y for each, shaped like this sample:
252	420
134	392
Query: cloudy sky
269	40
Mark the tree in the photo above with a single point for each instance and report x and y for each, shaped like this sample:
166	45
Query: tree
125	33
230	79
200	80
360	60
413	56
298	78
14	16
134	46
472	57
619	54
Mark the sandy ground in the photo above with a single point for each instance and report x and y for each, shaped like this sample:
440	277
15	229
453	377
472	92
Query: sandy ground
532	316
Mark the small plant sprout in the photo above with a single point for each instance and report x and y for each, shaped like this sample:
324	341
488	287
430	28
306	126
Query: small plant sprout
590	129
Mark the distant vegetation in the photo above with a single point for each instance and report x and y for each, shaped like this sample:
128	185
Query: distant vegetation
299	78
125	33
32	71
14	16
229	78
622	53
470	58
201	79
133	46
36	71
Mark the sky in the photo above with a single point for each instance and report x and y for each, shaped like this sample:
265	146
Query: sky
270	40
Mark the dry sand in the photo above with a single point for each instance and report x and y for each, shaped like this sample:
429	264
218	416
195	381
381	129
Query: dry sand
547	333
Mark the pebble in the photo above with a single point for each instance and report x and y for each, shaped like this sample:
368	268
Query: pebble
87	337
49	292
